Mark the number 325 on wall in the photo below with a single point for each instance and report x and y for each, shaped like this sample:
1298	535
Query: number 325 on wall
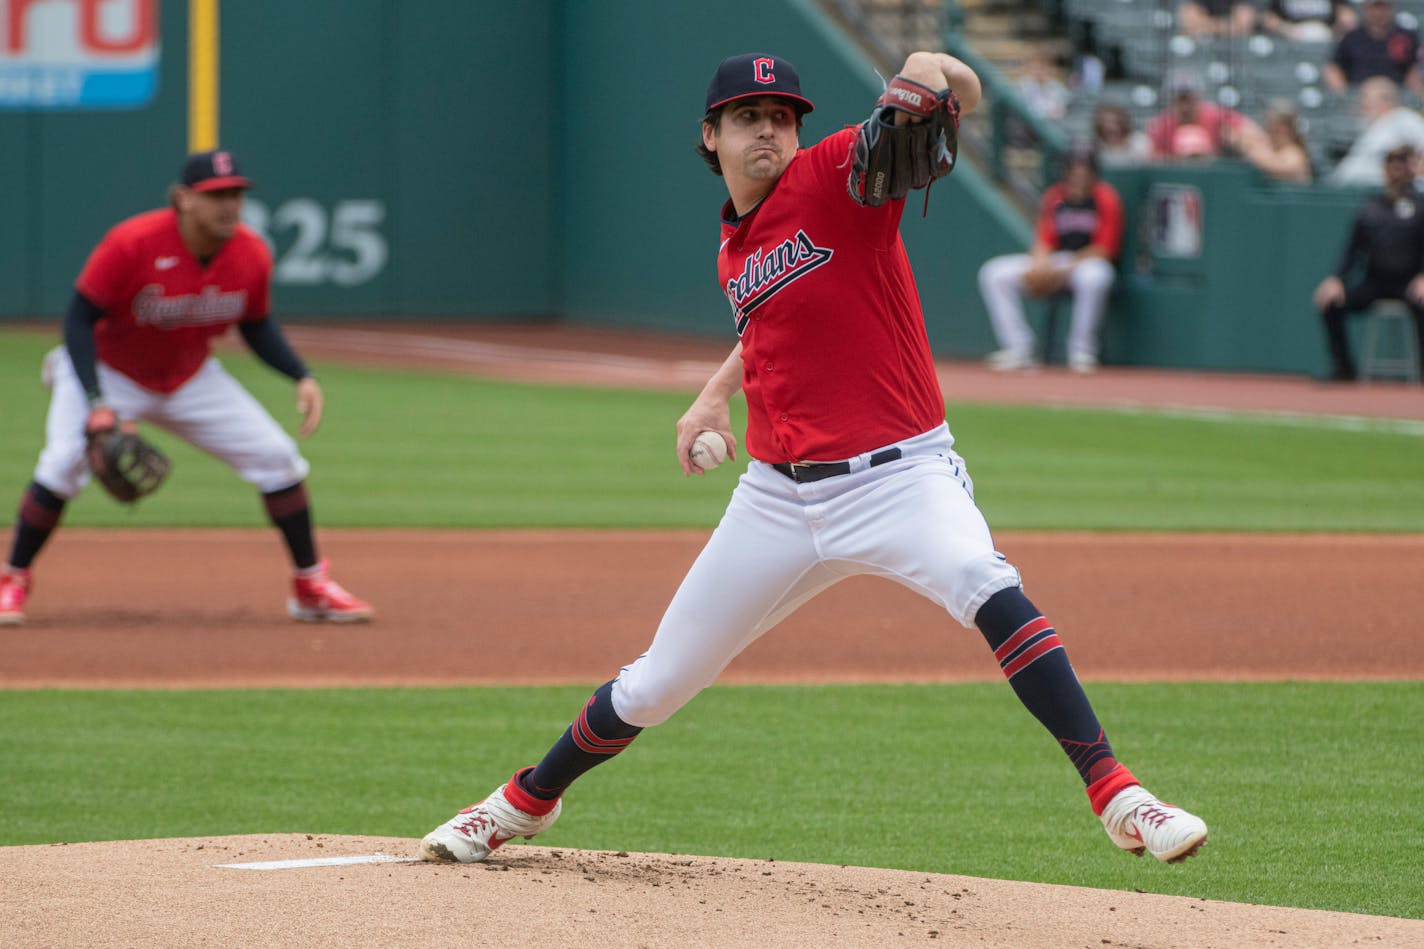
346	249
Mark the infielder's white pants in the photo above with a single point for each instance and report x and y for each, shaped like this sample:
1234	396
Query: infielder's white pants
780	543
211	411
1001	284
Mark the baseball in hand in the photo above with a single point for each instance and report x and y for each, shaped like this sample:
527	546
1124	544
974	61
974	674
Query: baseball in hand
708	451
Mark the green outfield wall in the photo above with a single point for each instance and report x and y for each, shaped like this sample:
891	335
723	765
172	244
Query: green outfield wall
484	160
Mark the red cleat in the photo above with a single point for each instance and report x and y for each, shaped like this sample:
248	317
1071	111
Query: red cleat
319	599
14	587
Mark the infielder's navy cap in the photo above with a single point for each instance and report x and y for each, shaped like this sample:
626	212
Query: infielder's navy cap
213	171
756	74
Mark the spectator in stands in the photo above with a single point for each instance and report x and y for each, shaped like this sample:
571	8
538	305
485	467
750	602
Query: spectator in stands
1377	47
1190	127
1387	125
1041	88
1387	243
1043	93
1309	21
1198	18
1088	73
1278	149
1079	234
1118	144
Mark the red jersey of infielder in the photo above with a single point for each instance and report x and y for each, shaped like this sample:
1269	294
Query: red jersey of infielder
162	305
853	470
152	295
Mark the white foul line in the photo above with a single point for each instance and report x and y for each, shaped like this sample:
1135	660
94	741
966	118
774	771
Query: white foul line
319	862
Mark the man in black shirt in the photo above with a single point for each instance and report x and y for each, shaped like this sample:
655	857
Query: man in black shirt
1309	21
1387	240
1377	47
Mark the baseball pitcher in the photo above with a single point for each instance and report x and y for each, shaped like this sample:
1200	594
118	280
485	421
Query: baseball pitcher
853	467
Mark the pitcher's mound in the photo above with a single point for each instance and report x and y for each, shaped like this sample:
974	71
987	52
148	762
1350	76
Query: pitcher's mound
305	890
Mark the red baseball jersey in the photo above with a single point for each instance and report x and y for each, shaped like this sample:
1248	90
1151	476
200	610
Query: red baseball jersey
835	361
1064	224
162	305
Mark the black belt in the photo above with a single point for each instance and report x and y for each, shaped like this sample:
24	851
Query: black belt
806	473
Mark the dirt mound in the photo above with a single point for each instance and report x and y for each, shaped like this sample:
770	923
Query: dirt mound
184	892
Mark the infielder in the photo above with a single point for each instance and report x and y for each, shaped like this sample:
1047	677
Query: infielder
854	469
157	288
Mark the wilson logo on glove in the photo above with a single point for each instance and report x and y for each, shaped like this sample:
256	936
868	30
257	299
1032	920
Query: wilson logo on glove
890	159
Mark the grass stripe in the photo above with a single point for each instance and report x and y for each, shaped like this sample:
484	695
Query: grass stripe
1311	789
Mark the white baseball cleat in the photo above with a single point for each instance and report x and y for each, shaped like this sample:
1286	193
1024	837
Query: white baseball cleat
474	833
1137	821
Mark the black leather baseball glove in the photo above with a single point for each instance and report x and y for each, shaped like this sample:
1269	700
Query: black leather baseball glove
890	160
128	467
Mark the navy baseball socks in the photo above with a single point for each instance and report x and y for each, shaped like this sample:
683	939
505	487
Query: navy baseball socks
315	596
1036	666
596	735
1034	661
39	515
289	510
530	801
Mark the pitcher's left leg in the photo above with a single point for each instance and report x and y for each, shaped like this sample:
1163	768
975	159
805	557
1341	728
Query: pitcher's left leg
1034	661
927	533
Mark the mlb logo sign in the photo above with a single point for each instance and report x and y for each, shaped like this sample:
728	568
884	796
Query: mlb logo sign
78	54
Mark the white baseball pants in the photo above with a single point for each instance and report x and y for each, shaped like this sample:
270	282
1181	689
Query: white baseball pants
1001	284
211	411
780	543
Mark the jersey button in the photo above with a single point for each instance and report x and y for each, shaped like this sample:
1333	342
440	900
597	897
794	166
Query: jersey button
784	416
768	367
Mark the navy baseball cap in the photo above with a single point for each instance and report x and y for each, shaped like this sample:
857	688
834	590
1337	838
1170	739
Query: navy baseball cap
213	171
756	74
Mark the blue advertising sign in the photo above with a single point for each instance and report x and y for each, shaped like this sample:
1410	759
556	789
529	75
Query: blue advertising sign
78	54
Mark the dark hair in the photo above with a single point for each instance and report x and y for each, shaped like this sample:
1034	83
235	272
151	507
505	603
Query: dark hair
714	119
1080	152
1105	109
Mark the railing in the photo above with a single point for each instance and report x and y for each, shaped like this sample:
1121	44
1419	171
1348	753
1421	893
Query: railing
1023	171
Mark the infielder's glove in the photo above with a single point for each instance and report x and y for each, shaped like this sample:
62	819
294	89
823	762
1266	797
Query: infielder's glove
888	160
128	467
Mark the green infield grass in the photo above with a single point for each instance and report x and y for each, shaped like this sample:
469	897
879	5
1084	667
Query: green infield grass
1311	789
440	450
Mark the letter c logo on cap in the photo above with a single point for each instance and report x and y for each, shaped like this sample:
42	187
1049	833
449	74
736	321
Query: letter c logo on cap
763	73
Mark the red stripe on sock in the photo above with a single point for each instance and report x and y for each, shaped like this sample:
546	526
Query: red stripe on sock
1048	644
587	741
1026	632
286	502
1103	790
515	794
37	515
